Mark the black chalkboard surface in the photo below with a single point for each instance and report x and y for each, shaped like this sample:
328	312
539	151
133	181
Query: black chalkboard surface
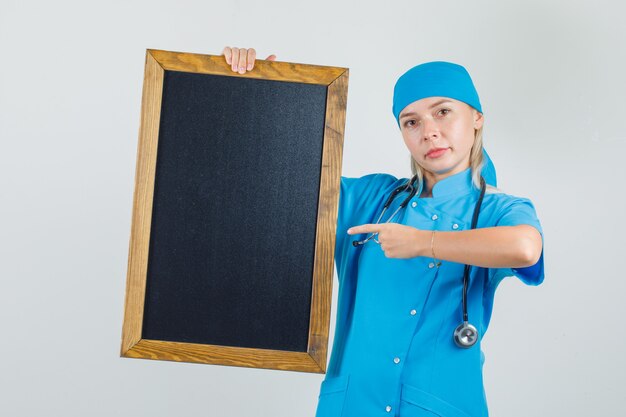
231	251
236	195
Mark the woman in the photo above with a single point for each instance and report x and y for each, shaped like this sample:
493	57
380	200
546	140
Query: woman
404	341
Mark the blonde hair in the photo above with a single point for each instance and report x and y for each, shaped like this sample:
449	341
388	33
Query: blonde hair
476	161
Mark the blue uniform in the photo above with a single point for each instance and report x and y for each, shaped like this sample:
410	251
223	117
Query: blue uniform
393	352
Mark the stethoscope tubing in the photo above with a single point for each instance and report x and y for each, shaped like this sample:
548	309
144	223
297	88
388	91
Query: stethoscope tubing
473	226
465	335
412	192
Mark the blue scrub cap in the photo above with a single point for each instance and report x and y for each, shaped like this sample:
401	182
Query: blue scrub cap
434	79
440	79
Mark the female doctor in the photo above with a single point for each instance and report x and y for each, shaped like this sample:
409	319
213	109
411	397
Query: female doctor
419	259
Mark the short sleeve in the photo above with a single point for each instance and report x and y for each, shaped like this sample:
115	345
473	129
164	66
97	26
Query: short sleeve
360	200
516	212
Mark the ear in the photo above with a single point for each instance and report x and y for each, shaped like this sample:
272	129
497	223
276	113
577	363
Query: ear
478	119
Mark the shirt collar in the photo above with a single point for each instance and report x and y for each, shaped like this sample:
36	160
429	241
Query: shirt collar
454	185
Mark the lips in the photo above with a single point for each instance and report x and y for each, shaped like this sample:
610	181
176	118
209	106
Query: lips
436	152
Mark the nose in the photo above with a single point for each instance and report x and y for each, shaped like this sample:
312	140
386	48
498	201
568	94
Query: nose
431	130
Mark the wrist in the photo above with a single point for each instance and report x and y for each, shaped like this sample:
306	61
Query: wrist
423	242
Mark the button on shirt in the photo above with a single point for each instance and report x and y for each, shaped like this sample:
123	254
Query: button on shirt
393	351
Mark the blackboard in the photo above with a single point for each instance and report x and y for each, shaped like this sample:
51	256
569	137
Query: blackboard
235	205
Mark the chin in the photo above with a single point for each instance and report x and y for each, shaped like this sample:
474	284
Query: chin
437	166
441	168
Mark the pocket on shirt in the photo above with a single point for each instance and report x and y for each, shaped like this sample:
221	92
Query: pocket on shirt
332	396
415	402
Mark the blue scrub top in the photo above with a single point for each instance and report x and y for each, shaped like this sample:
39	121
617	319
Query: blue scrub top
393	352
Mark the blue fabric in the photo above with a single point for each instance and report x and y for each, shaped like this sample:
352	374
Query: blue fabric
489	170
434	79
393	344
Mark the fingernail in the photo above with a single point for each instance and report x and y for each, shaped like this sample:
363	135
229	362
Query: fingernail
249	67
349	230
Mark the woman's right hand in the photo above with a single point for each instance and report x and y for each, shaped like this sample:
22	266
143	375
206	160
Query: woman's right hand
242	59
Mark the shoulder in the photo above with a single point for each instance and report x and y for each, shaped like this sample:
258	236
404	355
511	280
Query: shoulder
376	180
369	185
509	209
499	198
360	198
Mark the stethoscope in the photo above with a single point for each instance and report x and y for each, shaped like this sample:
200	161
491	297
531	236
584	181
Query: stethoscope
465	335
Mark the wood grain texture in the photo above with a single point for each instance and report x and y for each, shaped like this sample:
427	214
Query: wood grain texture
142	202
327	219
223	355
314	360
267	70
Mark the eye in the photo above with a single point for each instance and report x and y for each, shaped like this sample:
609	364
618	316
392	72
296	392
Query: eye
410	123
444	111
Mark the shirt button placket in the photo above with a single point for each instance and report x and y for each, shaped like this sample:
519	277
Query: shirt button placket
434	217
396	361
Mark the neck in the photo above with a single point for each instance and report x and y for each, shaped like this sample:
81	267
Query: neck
431	178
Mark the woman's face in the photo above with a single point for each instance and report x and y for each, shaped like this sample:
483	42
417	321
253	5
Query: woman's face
439	132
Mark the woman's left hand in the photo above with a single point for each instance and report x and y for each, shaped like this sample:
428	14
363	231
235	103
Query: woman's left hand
397	240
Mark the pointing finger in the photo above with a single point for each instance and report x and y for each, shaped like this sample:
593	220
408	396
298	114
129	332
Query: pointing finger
364	228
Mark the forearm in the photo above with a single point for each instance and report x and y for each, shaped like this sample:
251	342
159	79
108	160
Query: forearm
491	247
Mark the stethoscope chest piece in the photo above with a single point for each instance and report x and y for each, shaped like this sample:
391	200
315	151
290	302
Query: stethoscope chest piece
465	335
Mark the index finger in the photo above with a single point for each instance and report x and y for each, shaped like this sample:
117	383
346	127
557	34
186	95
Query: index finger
364	228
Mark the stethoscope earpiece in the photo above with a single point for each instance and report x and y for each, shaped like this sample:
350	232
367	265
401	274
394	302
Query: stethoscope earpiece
465	335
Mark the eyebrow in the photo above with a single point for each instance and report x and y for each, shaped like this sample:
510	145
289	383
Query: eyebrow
433	105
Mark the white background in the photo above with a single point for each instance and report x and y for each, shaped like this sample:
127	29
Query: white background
550	76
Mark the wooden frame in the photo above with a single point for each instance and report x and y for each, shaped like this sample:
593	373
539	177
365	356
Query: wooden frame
133	345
